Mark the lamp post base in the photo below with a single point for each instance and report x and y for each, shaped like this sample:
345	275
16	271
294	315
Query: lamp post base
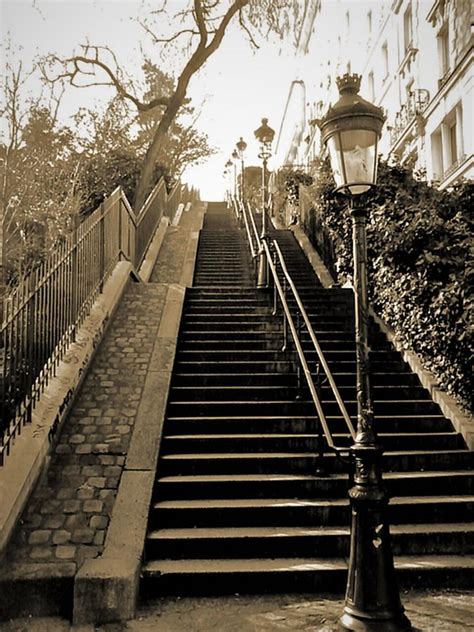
353	622
372	597
262	276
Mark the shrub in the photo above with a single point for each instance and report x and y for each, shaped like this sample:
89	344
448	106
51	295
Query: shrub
420	271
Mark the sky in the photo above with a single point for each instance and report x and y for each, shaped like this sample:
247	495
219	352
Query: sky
235	89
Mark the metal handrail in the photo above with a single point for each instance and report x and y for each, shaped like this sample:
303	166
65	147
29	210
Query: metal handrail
301	356
253	250
252	218
263	246
315	341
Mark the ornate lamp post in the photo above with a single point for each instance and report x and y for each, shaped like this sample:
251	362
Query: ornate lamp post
234	158
264	134
228	166
350	130
241	147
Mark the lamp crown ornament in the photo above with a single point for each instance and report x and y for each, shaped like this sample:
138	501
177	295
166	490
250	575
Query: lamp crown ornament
241	146
348	83
264	133
350	130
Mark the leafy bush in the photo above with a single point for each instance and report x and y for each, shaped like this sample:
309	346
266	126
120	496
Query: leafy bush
420	272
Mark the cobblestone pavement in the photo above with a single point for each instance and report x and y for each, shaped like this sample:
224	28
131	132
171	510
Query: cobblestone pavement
67	516
172	253
68	513
435	612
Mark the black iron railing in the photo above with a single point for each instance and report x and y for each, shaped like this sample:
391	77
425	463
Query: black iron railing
42	315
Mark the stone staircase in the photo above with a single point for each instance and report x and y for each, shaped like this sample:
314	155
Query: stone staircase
238	505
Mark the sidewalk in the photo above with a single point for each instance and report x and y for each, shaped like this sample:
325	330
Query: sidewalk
428	612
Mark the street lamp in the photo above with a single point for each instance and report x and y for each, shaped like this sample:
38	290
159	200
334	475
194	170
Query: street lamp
350	130
264	134
228	166
241	147
235	157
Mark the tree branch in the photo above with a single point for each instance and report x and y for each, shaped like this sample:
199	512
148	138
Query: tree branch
94	61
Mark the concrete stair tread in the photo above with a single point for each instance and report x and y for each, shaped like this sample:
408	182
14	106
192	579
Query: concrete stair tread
289	531
218	419
255	503
293	455
186	479
293	435
206	566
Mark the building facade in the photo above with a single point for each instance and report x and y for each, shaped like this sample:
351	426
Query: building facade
416	61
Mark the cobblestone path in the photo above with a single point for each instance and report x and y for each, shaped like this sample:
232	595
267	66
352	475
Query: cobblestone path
68	514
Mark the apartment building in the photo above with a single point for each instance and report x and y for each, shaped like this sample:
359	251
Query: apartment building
415	58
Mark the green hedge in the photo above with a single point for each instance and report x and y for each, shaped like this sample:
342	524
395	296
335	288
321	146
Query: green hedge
421	269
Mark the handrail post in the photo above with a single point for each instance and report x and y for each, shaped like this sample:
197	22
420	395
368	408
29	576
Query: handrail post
320	467
101	247
298	365
285	321
74	275
262	279
275	291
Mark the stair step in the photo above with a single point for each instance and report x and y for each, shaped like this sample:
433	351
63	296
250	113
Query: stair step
275	542
302	462
287	406
305	485
181	444
291	423
256	512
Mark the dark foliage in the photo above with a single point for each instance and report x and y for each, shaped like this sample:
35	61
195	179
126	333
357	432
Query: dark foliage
420	268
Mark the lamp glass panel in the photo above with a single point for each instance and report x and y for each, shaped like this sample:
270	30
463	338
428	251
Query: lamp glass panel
353	155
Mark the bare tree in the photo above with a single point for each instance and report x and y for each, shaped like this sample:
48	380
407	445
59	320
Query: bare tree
200	29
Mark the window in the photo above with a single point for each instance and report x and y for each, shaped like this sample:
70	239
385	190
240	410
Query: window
446	143
385	60
452	142
407	29
443	51
371	85
437	155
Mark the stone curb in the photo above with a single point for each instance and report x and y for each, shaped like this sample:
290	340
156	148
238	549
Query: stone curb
313	257
187	272
153	251
47	587
21	470
106	588
462	422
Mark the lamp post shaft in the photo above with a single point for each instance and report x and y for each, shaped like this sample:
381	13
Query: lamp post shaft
262	279
372	597
242	183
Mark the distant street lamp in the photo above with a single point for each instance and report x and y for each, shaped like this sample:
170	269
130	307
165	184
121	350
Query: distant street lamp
235	157
351	130
241	147
264	134
228	166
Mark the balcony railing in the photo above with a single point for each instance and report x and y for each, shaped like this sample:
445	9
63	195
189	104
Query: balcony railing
415	106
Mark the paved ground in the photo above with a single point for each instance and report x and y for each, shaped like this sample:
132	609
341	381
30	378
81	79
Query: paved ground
436	612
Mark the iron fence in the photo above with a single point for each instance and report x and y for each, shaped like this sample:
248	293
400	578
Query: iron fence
42	315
